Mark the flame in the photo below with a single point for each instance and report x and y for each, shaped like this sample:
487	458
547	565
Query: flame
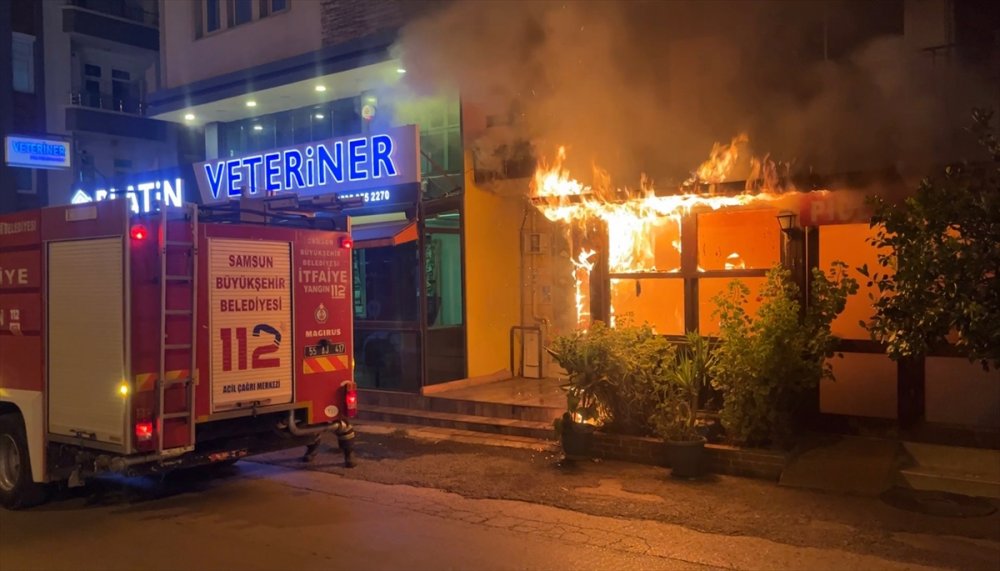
735	262
630	223
721	160
633	216
582	267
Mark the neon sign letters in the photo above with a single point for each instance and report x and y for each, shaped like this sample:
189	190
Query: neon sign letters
346	166
143	198
37	153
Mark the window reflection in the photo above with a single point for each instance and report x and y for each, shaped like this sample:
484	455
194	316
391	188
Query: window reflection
386	283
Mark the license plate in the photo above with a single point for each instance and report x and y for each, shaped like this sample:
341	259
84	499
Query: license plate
325	349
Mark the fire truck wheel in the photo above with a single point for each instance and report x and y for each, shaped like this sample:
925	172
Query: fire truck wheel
16	488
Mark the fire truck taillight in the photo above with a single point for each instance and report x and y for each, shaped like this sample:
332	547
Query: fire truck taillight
346	243
143	431
351	400
139	232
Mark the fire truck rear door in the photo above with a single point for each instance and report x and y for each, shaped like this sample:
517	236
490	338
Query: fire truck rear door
250	323
86	340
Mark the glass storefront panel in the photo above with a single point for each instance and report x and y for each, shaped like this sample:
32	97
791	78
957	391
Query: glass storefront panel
738	239
387	359
439	121
847	243
658	301
292	127
387	283
667	245
708	288
443	261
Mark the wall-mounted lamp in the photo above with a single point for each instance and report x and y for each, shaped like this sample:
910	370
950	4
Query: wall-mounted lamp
786	220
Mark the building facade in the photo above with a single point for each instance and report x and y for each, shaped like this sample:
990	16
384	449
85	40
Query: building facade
255	77
460	276
91	64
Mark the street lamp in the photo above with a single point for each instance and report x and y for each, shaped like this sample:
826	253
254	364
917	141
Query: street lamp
786	220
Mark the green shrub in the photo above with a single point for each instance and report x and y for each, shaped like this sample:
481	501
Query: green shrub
675	413
613	373
767	364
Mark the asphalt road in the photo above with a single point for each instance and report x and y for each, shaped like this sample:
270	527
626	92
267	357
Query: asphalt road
270	517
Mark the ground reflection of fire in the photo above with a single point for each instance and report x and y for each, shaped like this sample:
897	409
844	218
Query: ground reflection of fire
632	217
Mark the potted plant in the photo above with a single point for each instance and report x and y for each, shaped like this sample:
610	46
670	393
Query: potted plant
587	358
675	417
573	429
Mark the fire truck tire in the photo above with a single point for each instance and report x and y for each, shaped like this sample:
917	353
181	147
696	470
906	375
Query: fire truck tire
17	490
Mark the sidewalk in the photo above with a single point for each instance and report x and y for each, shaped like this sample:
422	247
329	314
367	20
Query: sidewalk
729	506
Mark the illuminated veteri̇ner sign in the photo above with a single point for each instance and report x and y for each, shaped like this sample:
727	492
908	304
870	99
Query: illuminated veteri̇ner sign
34	152
356	166
143	197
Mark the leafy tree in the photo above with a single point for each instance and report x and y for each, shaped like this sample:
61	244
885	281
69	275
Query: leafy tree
939	258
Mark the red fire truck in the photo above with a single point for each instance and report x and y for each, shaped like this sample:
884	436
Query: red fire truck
136	344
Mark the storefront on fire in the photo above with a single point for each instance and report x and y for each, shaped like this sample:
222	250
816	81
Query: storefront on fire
660	256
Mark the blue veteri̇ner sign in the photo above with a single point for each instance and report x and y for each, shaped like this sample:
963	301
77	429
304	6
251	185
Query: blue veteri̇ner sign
32	152
355	166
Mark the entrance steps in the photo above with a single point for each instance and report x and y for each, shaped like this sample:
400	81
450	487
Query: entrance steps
954	469
521	420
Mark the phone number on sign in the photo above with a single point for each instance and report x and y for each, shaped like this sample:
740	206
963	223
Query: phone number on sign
371	196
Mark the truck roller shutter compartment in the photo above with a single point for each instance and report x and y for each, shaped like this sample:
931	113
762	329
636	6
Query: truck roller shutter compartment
86	348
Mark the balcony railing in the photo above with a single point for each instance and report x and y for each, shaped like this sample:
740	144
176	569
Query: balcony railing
107	101
132	10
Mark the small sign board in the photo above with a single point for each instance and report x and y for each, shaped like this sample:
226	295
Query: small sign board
36	153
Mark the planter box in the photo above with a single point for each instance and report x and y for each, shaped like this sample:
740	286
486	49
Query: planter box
720	459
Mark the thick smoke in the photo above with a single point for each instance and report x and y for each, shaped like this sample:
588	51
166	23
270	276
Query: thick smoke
648	87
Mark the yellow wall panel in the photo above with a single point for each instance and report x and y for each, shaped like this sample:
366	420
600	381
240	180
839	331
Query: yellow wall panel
492	268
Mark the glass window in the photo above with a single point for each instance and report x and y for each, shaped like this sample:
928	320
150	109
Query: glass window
212	17
651	247
322	123
440	132
346	120
387	359
443	272
658	301
708	288
846	243
738	239
24	180
240	12
24	62
272	6
388	281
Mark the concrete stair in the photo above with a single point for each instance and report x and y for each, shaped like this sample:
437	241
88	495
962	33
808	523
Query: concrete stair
487	417
954	469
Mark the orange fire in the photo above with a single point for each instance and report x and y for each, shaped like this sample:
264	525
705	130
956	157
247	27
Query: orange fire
582	267
632	223
721	160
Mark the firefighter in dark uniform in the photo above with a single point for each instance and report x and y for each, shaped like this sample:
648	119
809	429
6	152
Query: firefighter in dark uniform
345	441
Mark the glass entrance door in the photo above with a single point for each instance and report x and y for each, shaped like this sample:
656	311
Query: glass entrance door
445	356
387	350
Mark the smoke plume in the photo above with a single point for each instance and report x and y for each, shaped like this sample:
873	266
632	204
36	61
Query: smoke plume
647	87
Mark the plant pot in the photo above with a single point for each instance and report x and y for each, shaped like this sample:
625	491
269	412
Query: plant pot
686	457
577	440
